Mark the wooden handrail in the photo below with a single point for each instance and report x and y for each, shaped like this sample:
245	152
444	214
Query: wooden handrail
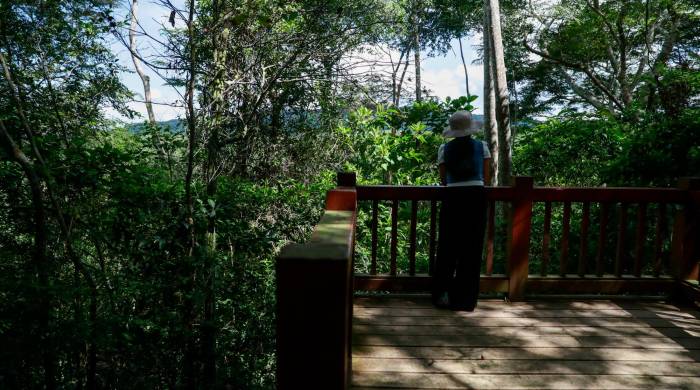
624	275
538	194
314	301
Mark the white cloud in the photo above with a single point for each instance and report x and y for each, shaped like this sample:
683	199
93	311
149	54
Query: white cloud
450	82
444	76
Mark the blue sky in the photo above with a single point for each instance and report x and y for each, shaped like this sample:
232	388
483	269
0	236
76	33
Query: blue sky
442	75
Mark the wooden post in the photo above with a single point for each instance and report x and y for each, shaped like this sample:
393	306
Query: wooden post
519	237
686	233
346	179
314	301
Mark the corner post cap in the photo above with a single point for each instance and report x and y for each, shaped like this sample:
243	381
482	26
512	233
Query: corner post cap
346	179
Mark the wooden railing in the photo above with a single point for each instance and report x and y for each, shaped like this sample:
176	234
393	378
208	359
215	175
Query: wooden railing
315	280
658	259
314	301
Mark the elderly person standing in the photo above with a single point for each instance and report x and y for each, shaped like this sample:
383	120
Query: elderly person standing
464	163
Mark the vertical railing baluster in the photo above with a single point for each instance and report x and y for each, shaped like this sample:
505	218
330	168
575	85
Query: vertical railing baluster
394	228
583	247
375	212
566	221
639	239
659	237
412	239
546	236
599	264
621	229
490	237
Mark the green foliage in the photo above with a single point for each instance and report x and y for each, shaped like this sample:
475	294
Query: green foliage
147	290
390	145
588	151
398	145
567	150
608	57
126	221
658	151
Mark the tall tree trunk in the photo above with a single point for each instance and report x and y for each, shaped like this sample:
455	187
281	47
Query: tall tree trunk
137	63
39	259
399	85
416	50
146	81
208	344
189	372
501	87
464	64
395	82
416	59
60	217
490	123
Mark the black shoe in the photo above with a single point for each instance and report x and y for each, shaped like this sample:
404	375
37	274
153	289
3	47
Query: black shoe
461	306
442	301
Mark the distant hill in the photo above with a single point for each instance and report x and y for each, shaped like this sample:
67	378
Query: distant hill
174	125
178	126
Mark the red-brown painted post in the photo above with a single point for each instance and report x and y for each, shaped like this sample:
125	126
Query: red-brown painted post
685	253
314	301
519	237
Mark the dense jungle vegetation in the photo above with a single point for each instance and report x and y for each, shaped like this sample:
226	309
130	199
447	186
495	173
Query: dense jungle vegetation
144	257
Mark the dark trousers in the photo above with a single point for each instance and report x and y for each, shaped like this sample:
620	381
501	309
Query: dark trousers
460	245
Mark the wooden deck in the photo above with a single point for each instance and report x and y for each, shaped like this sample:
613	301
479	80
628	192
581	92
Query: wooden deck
404	342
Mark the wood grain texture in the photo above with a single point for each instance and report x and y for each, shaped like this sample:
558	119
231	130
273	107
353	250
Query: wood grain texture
520	381
405	342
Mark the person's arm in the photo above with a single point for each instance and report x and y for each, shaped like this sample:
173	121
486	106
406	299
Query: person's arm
487	171
443	175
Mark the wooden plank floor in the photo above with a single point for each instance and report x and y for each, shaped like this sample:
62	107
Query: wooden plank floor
406	343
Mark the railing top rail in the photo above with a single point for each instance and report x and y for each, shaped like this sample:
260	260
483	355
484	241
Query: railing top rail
332	238
537	194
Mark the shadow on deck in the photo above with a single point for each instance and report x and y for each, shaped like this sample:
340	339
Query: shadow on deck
404	342
329	339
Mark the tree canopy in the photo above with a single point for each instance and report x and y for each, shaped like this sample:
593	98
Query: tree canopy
141	255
